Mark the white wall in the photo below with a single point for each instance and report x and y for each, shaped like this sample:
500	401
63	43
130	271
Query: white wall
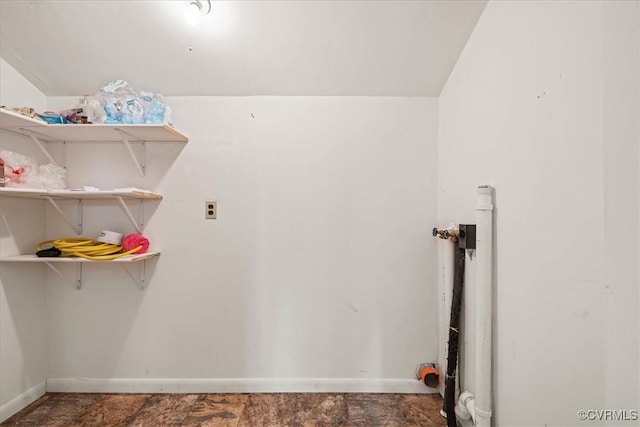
621	140
543	104
320	264
23	343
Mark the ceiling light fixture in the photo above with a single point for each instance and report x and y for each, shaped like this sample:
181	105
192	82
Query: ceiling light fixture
195	10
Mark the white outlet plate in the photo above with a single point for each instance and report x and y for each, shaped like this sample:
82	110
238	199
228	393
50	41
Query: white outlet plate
210	209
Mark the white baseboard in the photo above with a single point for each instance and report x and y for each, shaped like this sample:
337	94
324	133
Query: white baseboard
21	401
235	385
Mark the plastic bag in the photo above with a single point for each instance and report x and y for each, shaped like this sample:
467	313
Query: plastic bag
95	111
125	105
23	171
88	110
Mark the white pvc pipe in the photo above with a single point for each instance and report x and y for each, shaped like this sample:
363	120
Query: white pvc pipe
466	409
484	272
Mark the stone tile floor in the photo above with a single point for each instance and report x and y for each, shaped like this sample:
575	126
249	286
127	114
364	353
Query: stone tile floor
231	410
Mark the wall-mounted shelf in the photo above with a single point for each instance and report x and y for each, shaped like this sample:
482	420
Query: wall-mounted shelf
110	133
77	281
88	133
52	196
34	193
10	120
33	258
41	132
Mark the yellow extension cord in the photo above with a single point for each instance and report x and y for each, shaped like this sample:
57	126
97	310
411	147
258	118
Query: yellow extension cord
88	248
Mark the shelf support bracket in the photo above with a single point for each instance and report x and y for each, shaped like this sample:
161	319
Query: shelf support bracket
140	280
76	227
140	164
40	145
138	225
77	283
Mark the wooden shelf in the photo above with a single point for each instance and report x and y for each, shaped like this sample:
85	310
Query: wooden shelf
18	123
110	133
34	258
31	193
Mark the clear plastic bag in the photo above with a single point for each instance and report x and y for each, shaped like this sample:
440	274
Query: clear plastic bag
23	171
125	105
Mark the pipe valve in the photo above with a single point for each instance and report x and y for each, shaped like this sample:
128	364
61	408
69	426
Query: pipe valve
445	234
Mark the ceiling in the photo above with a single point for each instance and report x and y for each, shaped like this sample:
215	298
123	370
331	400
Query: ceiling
302	47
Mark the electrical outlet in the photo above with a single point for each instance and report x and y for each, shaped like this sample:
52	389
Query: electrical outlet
211	209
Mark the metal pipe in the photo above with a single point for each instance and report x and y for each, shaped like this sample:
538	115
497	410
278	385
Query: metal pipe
446	291
454	332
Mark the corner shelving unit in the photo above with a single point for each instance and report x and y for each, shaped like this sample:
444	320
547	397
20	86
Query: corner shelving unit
41	133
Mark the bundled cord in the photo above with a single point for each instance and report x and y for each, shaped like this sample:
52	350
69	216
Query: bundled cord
85	248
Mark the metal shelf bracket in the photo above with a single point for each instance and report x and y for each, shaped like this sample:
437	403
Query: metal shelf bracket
77	283
139	224
77	225
39	144
141	164
140	279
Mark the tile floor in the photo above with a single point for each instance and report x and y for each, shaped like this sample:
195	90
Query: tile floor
231	410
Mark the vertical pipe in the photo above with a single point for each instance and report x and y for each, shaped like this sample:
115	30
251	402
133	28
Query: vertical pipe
446	290
484	292
454	331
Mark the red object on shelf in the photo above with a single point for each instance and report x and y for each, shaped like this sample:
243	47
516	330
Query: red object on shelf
132	241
